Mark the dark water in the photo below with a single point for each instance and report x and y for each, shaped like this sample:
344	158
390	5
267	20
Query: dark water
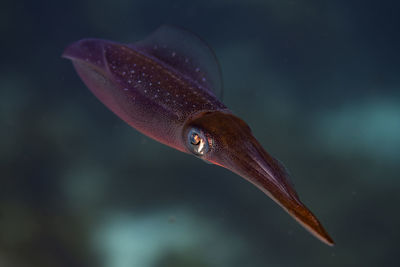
317	82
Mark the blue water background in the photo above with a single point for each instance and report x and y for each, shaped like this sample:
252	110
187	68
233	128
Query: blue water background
317	81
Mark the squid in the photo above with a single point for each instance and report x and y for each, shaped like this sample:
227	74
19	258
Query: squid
168	86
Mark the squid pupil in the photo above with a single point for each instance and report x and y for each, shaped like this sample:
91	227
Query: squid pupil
195	139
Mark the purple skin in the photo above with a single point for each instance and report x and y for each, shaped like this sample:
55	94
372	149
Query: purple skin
164	95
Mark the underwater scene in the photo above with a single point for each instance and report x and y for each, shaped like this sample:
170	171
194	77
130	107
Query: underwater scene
143	133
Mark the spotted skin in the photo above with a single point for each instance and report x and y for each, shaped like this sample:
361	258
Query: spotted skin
139	73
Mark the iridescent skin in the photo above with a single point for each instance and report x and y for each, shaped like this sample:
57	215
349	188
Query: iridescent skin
165	102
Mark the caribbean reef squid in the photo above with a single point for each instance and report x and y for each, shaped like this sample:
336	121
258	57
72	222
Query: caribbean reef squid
168	86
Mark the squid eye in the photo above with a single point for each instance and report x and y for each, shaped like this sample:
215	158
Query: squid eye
198	142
